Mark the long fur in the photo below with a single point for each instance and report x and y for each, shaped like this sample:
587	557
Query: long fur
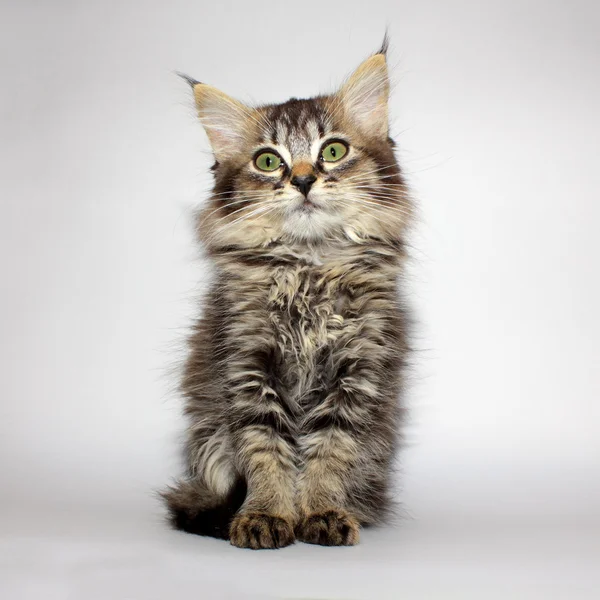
294	374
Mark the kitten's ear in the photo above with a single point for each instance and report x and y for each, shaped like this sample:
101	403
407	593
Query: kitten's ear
365	95
226	121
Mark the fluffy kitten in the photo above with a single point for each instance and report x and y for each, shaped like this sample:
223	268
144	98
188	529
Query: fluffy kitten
294	373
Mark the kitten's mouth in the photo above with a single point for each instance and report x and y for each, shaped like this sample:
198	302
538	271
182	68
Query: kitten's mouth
307	206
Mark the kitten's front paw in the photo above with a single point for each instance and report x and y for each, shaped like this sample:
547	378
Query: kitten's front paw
260	530
329	528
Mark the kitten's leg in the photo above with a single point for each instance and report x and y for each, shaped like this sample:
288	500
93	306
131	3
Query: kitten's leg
263	438
347	443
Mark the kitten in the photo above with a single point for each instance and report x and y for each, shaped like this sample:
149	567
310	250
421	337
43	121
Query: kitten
294	373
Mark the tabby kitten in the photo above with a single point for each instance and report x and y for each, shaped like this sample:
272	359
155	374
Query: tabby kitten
294	372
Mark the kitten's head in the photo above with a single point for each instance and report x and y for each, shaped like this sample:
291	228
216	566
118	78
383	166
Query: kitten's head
306	171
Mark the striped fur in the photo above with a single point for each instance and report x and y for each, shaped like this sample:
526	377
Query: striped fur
294	374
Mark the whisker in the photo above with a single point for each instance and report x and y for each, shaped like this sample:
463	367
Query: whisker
377	204
379	184
255	211
220	227
237	192
379	211
393	200
365	173
254	205
378	196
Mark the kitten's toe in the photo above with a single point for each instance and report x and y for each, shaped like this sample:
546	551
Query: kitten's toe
260	530
329	528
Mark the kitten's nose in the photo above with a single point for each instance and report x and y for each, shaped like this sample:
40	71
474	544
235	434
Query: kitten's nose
303	182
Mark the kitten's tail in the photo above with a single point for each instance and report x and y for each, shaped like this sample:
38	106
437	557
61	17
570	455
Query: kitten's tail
194	508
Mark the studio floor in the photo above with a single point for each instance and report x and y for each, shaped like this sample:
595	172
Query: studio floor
100	554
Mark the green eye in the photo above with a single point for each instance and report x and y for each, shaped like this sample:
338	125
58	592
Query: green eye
334	151
267	161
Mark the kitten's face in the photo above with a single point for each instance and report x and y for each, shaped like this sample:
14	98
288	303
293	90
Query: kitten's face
306	171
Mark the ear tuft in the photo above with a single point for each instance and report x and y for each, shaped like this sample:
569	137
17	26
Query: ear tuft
384	45
190	80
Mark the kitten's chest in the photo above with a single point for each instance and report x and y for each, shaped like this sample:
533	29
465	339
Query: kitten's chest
306	306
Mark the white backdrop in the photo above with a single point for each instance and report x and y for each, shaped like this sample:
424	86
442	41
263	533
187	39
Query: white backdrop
495	109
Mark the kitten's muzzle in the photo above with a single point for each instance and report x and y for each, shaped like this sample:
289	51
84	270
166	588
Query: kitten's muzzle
303	183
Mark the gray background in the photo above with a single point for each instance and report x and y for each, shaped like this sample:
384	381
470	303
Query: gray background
495	109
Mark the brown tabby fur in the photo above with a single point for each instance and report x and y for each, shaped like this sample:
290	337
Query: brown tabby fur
294	374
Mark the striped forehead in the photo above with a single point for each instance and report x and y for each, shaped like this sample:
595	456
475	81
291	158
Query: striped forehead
296	125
